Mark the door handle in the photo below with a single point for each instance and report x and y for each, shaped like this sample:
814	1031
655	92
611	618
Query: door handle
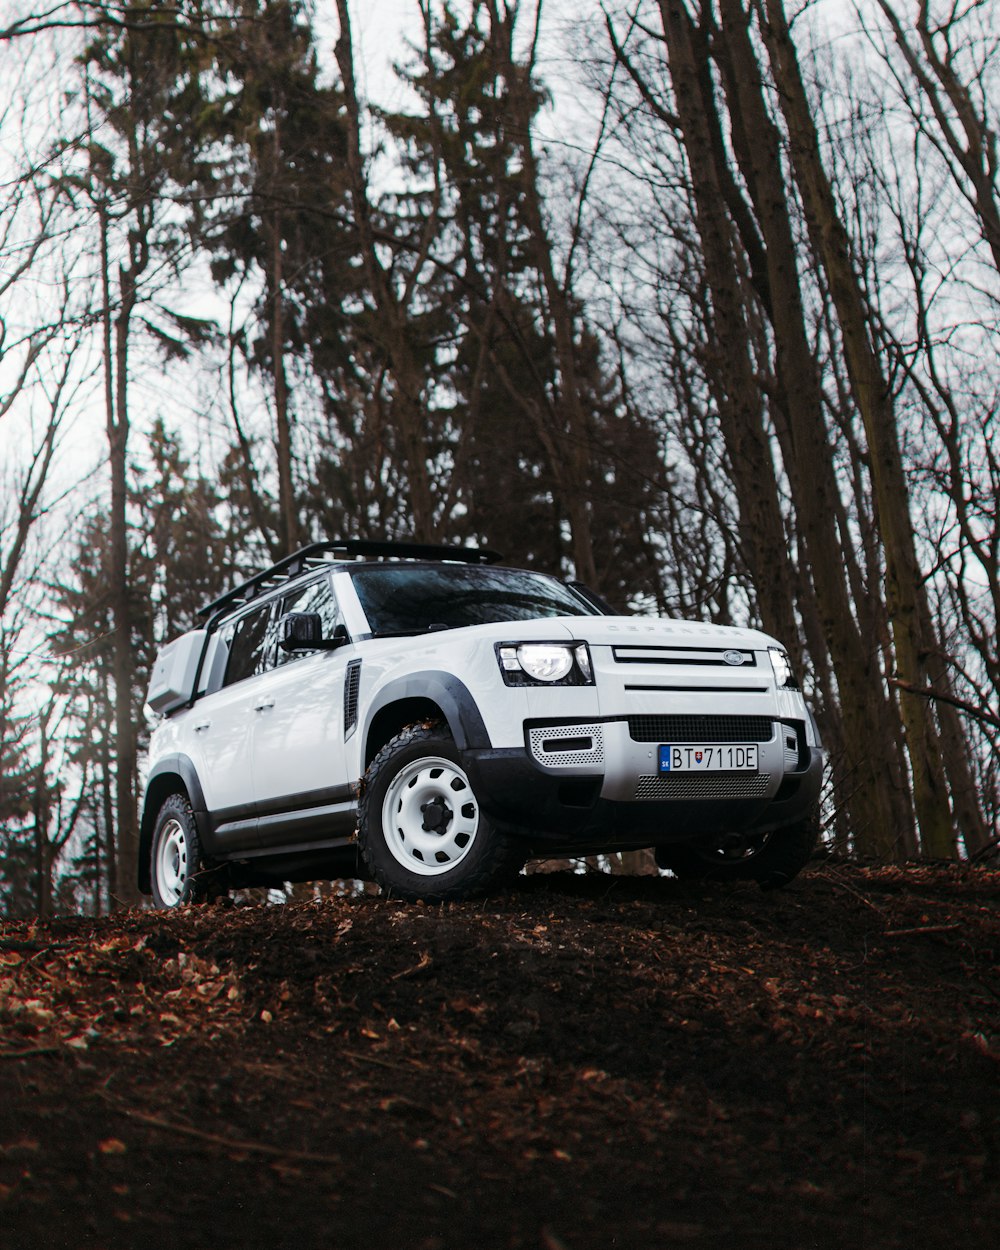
263	706
202	726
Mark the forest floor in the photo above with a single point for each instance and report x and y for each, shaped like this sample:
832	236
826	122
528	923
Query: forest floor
584	1062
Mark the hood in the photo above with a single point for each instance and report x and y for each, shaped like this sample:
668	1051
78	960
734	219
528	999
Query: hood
664	631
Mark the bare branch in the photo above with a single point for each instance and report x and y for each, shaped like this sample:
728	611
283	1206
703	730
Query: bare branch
929	692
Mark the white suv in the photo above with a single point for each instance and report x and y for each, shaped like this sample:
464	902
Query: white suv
423	715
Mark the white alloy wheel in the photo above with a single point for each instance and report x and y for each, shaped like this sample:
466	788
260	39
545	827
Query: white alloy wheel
430	816
171	863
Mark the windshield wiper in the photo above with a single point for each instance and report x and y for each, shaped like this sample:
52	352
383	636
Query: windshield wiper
434	628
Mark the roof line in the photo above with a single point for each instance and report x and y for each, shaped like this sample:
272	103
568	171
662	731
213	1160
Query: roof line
296	563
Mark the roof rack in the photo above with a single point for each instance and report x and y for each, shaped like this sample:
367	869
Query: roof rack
312	557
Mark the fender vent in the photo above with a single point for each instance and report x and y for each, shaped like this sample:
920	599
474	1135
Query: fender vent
352	683
567	745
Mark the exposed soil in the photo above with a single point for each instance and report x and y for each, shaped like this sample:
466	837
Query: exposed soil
584	1062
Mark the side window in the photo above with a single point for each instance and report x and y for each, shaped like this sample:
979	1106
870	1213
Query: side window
247	647
315	597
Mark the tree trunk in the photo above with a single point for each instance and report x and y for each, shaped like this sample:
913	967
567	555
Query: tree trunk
110	848
731	372
126	741
571	440
868	717
260	513
407	382
874	402
288	519
115	345
41	812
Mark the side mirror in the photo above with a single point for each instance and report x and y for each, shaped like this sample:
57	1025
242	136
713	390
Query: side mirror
303	631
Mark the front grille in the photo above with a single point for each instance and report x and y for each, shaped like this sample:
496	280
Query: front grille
700	728
704	786
687	657
352	682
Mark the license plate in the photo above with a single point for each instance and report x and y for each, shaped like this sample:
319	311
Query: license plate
718	758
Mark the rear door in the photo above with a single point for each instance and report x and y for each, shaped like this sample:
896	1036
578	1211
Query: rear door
221	739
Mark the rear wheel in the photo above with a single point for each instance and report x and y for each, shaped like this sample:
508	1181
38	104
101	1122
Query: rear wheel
421	830
177	871
772	858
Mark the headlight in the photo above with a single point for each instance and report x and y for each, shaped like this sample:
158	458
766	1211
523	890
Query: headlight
783	675
545	663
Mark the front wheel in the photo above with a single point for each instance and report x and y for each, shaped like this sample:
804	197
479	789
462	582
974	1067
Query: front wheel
772	859
421	830
177	873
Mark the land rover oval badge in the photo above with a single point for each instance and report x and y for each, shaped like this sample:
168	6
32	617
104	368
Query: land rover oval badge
734	657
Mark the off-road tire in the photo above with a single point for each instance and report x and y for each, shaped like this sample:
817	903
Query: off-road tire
177	870
421	831
781	856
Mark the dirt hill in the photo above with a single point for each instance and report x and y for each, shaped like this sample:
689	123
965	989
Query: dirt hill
587	1062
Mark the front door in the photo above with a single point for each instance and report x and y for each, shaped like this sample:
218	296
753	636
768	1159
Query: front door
297	739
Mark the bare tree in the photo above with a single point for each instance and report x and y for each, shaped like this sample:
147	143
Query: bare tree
759	362
911	629
137	80
951	105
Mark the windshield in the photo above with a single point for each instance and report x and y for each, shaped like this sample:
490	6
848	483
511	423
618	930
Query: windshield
415	598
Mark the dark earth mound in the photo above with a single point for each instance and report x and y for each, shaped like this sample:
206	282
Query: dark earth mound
584	1062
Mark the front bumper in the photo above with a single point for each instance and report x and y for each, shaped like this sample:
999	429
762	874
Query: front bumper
593	786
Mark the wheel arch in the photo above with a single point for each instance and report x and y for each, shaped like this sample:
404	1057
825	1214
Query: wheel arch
423	696
174	774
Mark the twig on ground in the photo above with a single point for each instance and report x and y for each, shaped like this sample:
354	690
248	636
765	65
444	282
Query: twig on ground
856	894
923	928
229	1143
31	1052
382	1063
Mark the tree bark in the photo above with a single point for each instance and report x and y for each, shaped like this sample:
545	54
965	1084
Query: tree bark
290	536
571	441
407	410
731	372
874	402
126	740
41	813
869	721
